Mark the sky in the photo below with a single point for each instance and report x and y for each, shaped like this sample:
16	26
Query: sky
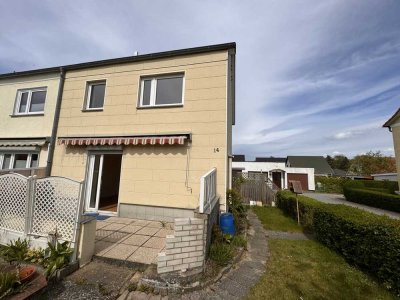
312	77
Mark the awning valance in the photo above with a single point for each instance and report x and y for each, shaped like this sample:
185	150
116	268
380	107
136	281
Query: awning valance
7	143
130	140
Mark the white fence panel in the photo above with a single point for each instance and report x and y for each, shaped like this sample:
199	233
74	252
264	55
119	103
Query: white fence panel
208	191
13	202
56	206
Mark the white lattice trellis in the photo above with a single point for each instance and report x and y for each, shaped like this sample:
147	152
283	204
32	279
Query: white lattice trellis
56	206
13	201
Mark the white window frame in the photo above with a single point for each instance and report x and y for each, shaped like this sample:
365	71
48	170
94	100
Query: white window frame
153	89
12	160
89	85
28	102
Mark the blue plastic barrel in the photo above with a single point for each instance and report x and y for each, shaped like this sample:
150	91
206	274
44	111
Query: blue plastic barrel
227	224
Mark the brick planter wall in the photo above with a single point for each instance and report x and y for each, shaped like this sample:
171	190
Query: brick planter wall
187	249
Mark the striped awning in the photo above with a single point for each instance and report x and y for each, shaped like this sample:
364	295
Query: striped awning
131	140
22	143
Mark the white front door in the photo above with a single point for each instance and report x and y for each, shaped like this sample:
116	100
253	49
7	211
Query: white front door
95	171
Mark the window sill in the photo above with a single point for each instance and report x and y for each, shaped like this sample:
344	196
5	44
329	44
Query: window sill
160	106
92	109
27	115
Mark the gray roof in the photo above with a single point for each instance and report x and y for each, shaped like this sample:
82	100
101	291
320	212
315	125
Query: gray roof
271	159
319	163
239	157
121	60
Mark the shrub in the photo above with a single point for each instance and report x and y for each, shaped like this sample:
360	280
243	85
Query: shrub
373	197
237	209
389	186
221	253
367	240
331	184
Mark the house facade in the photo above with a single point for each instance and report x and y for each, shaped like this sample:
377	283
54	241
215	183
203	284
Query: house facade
141	131
276	169
27	110
393	124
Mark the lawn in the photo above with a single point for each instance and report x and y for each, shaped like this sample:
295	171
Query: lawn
274	219
298	269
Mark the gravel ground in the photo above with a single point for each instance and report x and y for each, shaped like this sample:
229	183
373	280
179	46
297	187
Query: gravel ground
97	280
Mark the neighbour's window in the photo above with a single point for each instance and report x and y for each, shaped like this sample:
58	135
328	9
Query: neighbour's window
95	93
161	90
30	101
18	160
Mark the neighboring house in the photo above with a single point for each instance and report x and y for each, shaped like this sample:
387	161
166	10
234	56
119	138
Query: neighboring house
385	176
277	171
27	110
394	126
318	163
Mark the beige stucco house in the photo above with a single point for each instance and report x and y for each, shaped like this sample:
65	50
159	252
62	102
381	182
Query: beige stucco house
142	130
394	126
27	110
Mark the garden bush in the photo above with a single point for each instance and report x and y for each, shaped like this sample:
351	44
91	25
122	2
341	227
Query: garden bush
331	184
373	193
372	197
367	240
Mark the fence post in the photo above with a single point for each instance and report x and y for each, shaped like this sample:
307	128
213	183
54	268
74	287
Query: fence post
78	219
30	202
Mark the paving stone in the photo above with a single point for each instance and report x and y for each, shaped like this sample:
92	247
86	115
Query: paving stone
120	251
148	231
101	234
144	255
102	247
125	221
101	224
130	228
136	240
155	242
115	237
164	232
113	226
141	222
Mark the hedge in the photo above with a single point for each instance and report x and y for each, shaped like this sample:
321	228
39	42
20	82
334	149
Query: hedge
390	186
367	240
373	193
373	198
331	184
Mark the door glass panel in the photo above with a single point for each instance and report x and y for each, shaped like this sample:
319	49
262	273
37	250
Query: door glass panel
95	181
6	161
34	160
20	161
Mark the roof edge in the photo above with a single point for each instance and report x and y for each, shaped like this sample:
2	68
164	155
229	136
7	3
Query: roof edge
391	120
106	62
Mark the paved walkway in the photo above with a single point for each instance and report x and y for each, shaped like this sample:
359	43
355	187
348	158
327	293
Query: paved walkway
131	240
339	199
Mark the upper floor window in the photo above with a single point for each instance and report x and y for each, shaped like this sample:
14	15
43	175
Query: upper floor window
95	92
18	160
30	101
161	90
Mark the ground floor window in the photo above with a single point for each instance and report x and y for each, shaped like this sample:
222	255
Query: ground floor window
18	160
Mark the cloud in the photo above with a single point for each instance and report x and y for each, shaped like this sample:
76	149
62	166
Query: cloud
309	77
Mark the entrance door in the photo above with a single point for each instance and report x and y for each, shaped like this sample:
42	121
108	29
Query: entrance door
103	178
277	179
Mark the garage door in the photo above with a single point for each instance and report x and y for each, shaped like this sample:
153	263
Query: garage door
303	178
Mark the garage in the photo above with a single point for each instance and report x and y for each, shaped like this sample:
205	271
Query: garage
303	178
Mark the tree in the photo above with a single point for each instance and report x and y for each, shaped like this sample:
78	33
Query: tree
372	163
338	162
